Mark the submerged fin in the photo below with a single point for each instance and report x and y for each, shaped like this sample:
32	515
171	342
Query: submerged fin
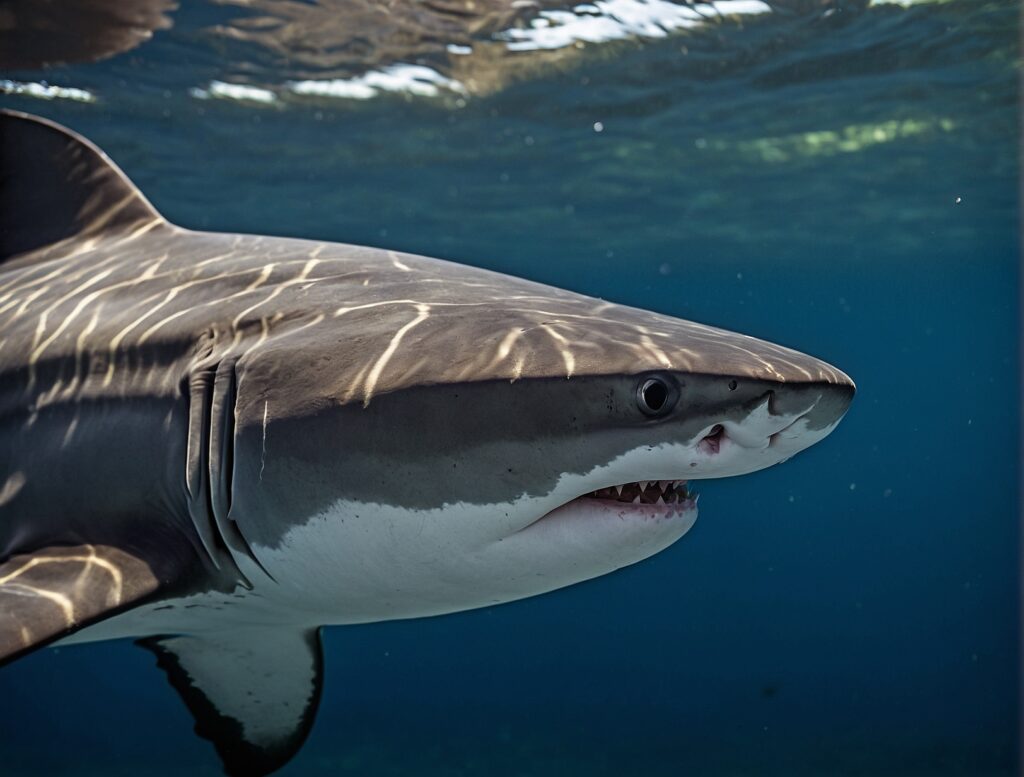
56	185
252	691
52	592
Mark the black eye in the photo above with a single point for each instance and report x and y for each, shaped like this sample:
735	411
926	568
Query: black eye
655	396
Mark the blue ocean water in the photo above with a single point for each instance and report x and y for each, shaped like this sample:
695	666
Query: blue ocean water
848	188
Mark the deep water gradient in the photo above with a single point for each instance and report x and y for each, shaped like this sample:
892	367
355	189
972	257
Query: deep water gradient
850	191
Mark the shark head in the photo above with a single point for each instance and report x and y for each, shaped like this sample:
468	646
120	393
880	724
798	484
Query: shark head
501	440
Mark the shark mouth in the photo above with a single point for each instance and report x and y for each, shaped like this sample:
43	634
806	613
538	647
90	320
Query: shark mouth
647	492
645	499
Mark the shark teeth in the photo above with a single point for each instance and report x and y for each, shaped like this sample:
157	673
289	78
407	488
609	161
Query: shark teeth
652	492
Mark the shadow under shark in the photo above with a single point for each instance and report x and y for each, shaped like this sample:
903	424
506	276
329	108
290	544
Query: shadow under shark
217	444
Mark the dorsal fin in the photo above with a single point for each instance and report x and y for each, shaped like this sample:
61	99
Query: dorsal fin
56	185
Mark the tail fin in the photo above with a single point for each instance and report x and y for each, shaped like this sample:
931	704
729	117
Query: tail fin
56	185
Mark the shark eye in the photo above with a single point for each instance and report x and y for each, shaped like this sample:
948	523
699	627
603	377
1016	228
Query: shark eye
655	396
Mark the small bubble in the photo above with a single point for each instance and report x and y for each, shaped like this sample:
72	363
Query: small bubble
739	276
887	493
528	140
665	268
853	486
503	177
958	200
792	498
598	126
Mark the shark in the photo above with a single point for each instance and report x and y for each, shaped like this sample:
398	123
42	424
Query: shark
218	444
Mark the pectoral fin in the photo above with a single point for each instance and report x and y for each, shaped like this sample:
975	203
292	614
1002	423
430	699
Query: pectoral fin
252	691
52	592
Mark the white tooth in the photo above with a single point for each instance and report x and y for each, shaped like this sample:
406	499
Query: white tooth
643	484
660	501
619	489
636	499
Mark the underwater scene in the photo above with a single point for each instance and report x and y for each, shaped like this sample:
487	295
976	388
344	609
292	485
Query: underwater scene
839	177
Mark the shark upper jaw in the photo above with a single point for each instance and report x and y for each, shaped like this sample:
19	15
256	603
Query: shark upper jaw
723	449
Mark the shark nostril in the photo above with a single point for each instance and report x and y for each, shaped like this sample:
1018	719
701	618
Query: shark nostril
732	385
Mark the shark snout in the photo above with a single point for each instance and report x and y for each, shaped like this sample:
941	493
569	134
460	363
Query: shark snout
774	422
782	412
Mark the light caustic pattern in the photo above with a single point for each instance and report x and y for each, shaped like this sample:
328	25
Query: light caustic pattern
56	589
134	313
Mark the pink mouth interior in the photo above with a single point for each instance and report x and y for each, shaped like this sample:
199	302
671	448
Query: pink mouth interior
712	441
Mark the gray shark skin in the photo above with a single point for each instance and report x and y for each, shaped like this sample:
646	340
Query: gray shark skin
217	444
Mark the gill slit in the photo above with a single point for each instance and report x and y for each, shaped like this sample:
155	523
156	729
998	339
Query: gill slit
211	454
